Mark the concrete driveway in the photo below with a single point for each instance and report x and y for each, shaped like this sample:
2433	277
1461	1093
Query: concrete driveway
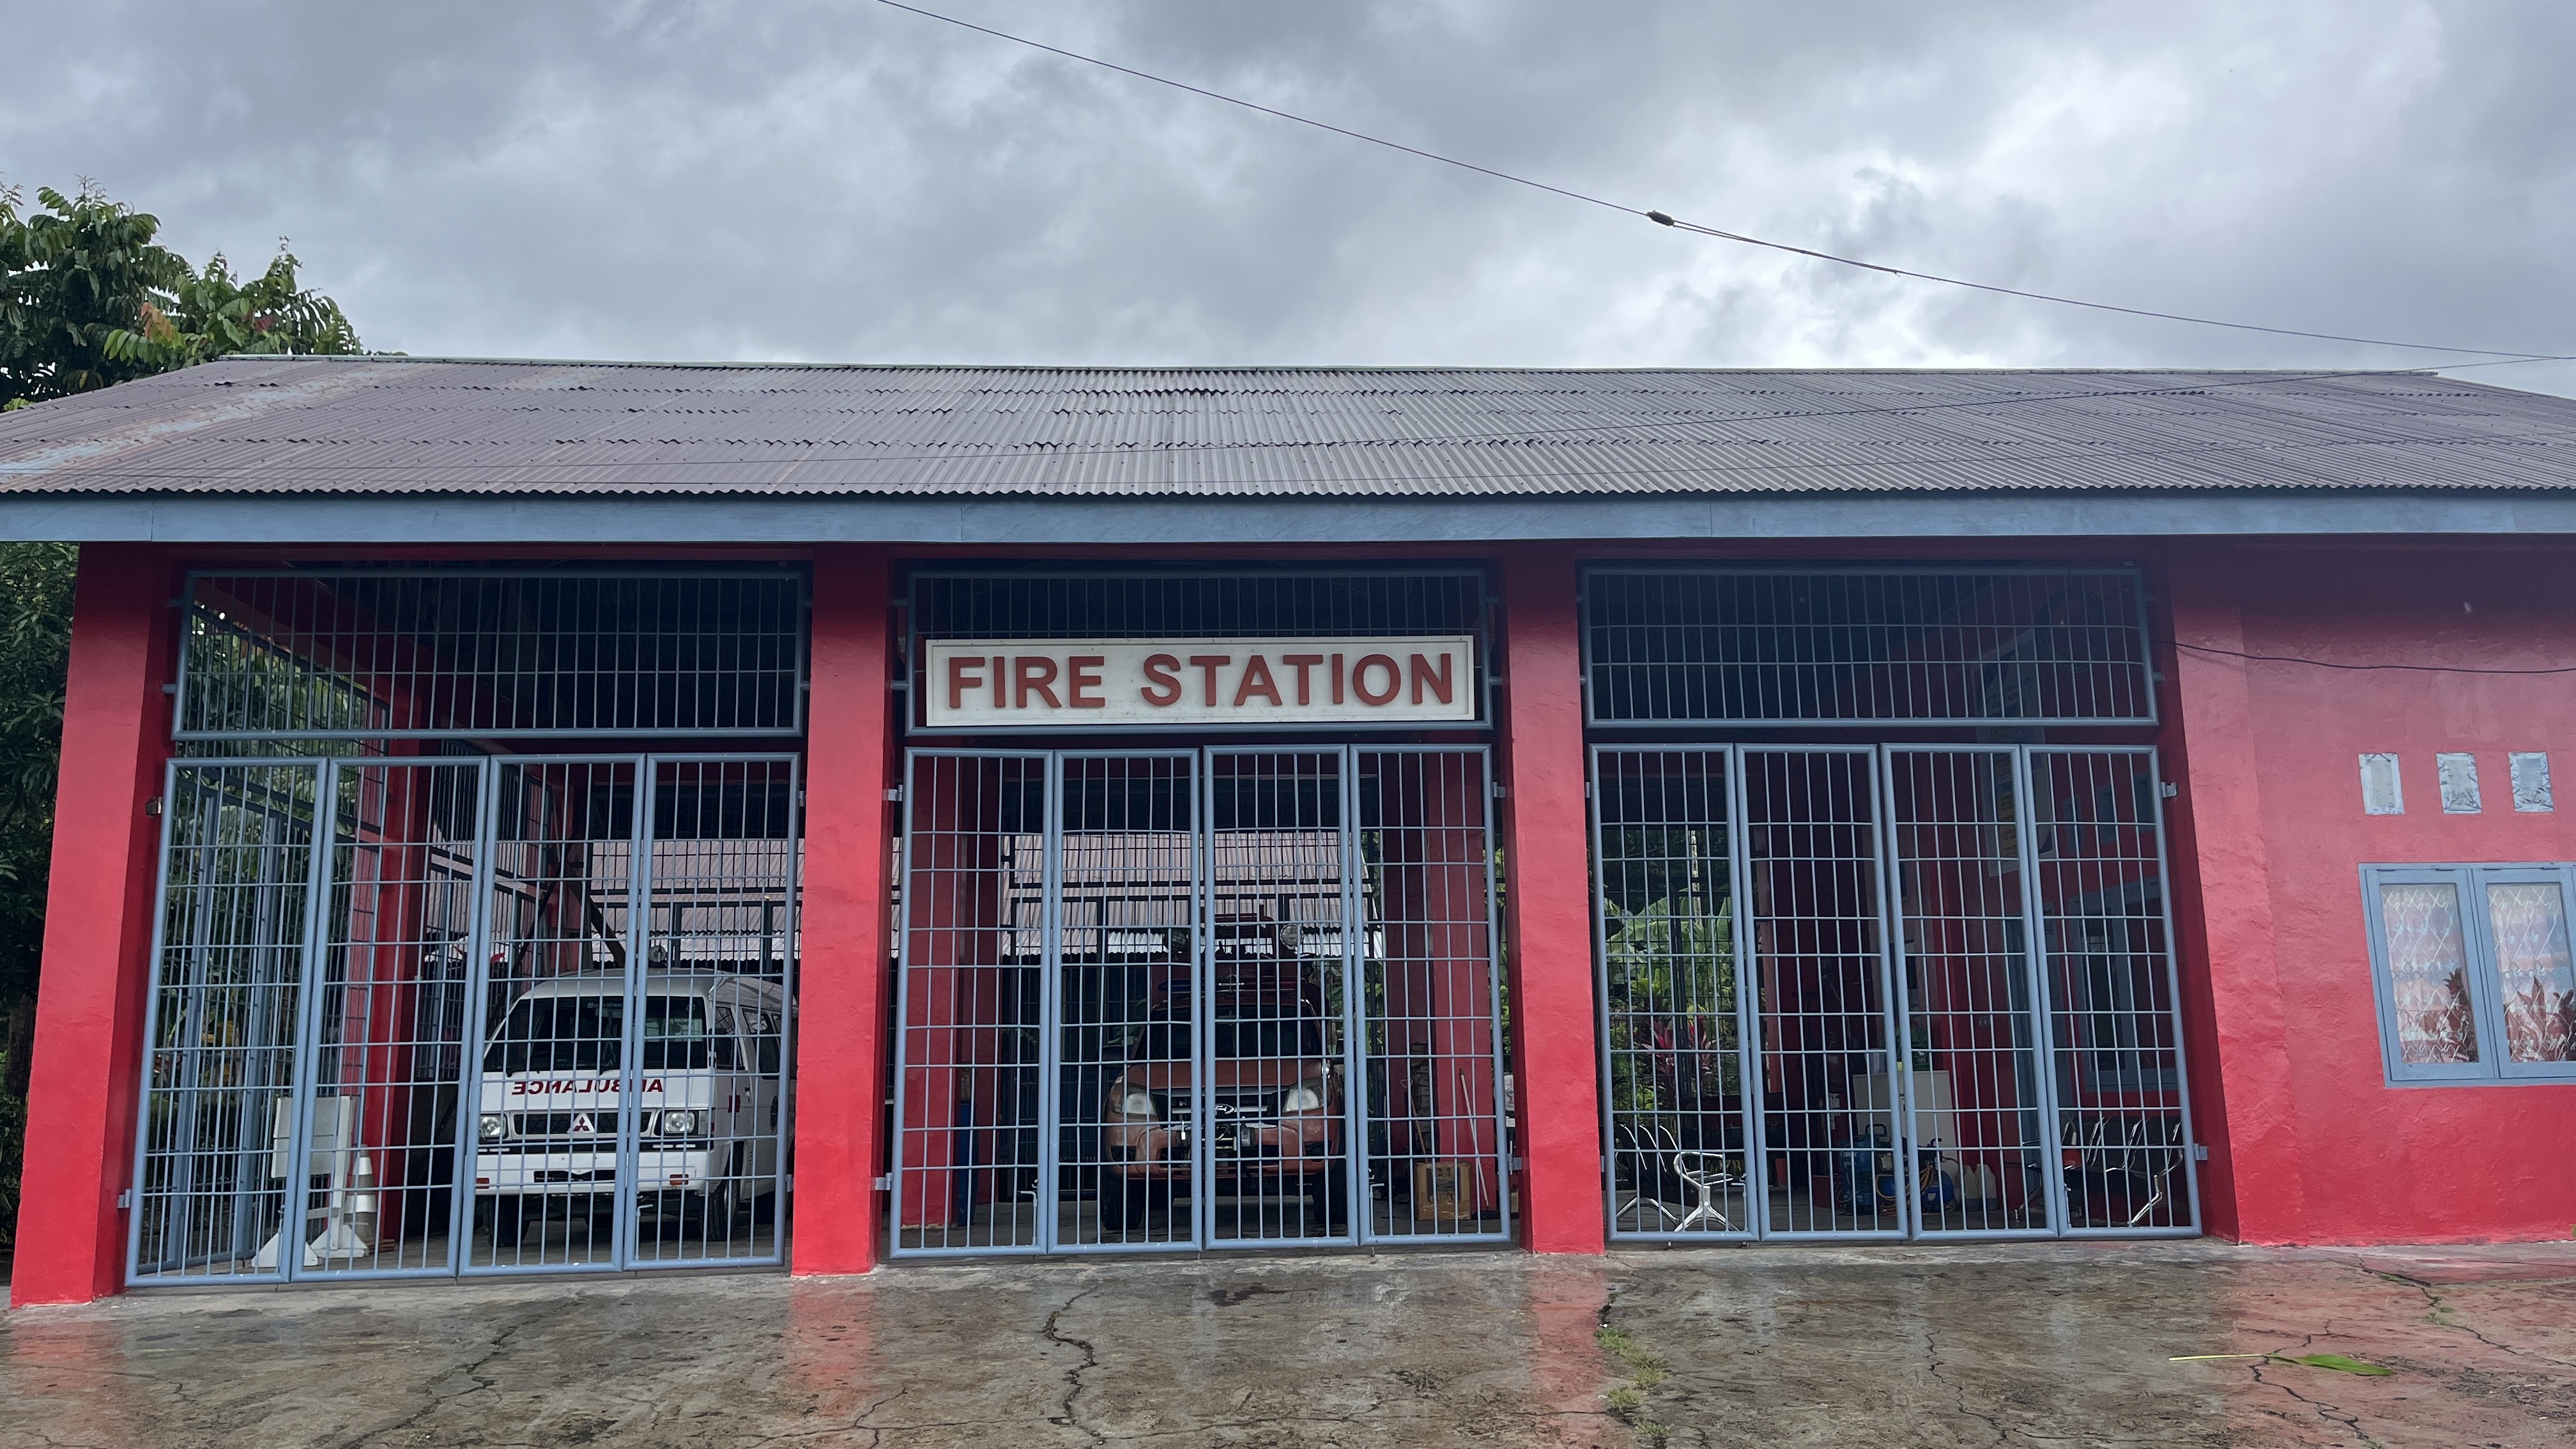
2039	1344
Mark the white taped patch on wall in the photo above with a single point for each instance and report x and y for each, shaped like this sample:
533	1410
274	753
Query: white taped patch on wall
2381	791
2531	782
2459	777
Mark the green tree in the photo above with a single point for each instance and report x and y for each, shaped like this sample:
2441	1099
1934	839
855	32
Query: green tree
88	299
35	631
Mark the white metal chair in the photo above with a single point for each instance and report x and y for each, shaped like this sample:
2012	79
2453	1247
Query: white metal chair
1710	1175
2155	1150
1657	1156
1647	1152
2122	1155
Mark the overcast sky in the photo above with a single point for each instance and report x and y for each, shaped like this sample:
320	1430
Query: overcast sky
846	182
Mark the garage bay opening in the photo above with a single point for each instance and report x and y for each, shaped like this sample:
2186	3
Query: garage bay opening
1202	998
1918	987
429	1000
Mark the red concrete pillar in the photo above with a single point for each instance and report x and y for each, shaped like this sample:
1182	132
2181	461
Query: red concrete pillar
1549	932
98	930
2236	1031
841	1056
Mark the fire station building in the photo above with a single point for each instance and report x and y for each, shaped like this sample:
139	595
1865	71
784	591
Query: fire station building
529	817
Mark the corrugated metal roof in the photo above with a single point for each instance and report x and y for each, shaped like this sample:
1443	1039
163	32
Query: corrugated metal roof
427	426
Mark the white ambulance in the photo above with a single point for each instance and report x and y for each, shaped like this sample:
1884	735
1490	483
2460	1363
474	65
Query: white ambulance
708	1095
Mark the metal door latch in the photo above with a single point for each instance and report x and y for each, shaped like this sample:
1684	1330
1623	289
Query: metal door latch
125	1199
2200	1152
885	1183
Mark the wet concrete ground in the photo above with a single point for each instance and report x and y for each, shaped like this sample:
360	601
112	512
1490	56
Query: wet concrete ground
2040	1344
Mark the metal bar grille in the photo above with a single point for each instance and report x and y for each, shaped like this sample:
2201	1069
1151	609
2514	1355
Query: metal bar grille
1675	1109
387	1023
360	653
1434	1067
2124	1129
1852	646
2005	1061
970	1028
1243	603
1135	988
1274	980
461	1053
1976	1129
711	1084
1824	1009
1127	1069
552	1109
218	1110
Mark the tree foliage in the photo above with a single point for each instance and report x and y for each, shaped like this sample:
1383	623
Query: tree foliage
35	633
1672	1006
88	299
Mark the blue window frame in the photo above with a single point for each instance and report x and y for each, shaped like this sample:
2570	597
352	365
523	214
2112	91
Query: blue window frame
2474	971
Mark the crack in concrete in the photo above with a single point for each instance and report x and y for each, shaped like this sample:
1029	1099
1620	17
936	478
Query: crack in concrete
54	1443
876	1432
1073	1376
858	1424
1932	1362
2330	1412
2440	1317
1647	1430
2324	1409
438	1400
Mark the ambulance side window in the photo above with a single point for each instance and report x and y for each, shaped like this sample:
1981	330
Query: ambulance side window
723	1034
764	1042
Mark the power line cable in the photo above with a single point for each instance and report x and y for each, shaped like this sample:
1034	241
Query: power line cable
1663	219
2001	291
2359	668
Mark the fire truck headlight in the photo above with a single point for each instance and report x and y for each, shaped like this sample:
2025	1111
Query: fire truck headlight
1302	1099
492	1128
1138	1103
679	1124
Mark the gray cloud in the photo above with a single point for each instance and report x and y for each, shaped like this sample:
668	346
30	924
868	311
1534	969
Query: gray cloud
840	181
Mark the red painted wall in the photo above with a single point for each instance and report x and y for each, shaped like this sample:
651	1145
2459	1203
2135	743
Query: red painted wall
2310	1144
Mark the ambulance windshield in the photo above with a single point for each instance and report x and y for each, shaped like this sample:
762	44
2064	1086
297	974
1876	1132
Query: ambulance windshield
586	1034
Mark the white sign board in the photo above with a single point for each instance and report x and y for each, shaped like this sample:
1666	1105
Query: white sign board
1005	684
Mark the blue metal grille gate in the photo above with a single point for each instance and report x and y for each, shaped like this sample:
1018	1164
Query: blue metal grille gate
428	1016
1157	1000
1887	991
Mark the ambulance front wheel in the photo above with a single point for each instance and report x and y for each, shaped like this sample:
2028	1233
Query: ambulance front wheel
505	1222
